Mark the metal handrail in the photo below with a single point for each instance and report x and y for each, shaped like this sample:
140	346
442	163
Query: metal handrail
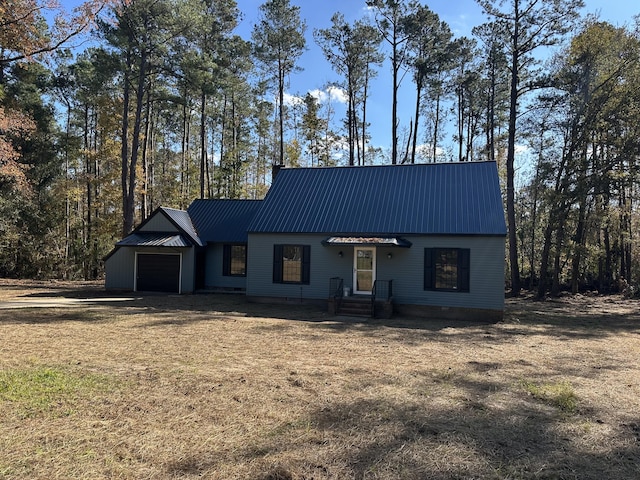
336	287
382	289
377	284
336	291
373	299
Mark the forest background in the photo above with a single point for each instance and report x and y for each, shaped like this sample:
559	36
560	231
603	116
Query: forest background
121	106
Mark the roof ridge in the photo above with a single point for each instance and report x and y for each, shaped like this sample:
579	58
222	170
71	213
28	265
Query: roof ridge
171	208
387	165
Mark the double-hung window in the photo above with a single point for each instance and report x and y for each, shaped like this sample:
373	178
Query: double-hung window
291	263
234	260
446	269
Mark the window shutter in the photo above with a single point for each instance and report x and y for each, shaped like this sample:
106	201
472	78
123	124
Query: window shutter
464	269
428	268
245	260
277	263
226	260
306	264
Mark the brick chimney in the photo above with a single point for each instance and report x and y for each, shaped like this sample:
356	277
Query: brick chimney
275	169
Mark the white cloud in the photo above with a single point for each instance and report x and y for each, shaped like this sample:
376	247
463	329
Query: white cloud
337	94
333	93
319	95
291	100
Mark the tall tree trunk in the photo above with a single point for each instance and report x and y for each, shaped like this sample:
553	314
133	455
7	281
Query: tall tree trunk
96	196
626	234
235	167
152	158
416	120
605	286
67	197
491	120
436	126
183	151
534	220
203	142
579	238
557	211
127	223
579	242
544	258
351	127
627	248
511	213
145	160
223	132
87	165
555	285
356	137
135	140
364	115
281	80
460	122
394	102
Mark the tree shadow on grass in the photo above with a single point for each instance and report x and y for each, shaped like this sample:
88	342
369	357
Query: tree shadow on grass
571	317
472	436
575	316
37	316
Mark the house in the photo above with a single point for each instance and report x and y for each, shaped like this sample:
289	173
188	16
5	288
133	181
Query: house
427	239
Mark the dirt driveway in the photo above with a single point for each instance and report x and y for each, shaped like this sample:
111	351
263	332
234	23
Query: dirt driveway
52	294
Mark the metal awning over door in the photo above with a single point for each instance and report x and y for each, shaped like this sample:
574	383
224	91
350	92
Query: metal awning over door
368	241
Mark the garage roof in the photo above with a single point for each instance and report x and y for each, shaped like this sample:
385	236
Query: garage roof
181	219
146	239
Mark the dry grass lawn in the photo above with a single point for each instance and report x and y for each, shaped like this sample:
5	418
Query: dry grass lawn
208	386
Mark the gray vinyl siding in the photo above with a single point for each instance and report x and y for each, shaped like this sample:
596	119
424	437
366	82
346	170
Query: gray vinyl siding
188	270
486	282
120	267
325	263
405	268
158	223
213	275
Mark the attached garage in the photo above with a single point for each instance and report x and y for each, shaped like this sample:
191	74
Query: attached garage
158	272
158	256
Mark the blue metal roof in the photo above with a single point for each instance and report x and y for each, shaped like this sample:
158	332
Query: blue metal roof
428	199
145	239
222	220
182	220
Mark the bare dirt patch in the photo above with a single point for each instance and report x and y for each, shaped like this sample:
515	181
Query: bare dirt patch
208	386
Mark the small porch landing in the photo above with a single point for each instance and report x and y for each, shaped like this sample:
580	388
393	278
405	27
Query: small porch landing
378	304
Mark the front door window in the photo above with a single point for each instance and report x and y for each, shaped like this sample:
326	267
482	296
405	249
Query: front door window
364	270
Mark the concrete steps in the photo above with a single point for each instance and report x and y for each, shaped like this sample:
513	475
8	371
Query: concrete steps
355	307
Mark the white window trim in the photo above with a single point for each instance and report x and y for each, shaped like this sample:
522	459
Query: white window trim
355	268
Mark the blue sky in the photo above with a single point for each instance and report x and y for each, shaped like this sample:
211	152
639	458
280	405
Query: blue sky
461	15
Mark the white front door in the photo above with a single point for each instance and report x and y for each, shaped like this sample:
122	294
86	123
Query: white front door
364	270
